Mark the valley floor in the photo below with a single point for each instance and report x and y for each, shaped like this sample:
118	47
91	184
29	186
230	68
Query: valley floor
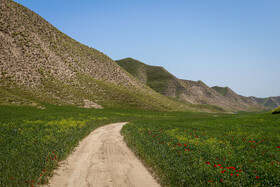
182	148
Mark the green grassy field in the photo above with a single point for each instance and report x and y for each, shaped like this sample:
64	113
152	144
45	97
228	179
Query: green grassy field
198	150
34	141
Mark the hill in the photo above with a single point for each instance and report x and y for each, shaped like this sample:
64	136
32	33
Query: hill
269	102
196	92
40	64
230	95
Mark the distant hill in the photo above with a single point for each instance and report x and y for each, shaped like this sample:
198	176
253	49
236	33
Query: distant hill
269	102
234	97
196	92
39	64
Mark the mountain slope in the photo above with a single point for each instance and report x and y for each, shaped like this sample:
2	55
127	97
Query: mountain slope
195	92
269	102
230	95
39	64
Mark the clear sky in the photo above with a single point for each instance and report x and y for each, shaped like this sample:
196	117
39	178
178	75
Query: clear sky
233	43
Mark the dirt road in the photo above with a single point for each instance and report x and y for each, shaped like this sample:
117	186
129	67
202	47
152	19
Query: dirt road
103	159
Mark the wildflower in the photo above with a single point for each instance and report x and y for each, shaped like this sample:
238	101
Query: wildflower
257	177
237	175
207	162
219	164
221	180
231	174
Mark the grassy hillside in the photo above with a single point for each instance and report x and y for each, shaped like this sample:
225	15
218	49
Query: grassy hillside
276	111
40	64
155	77
195	92
221	90
269	102
233	97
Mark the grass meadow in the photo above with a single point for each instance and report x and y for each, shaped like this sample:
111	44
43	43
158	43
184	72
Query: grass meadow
229	150
183	148
33	141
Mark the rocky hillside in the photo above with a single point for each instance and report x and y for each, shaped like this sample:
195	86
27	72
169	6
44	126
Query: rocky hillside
196	92
231	96
39	64
269	102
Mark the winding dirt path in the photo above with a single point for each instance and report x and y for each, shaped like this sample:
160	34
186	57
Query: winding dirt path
103	159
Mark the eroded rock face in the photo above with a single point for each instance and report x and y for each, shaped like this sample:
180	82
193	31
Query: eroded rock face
40	64
90	104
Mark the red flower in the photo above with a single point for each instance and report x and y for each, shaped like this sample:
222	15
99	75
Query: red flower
11	178
215	166
219	164
231	174
257	177
223	171
207	162
44	170
237	175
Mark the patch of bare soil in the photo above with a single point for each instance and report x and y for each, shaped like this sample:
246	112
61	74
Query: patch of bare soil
103	159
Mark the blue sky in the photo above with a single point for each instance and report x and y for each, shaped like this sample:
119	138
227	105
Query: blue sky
233	43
